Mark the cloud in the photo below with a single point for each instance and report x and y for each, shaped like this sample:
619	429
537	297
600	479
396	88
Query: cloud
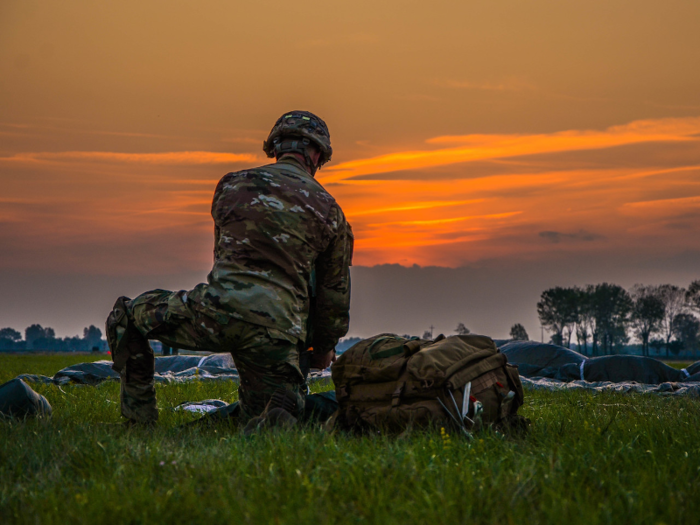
167	158
436	222
501	191
411	207
664	204
579	236
467	170
659	209
32	129
472	148
519	196
644	155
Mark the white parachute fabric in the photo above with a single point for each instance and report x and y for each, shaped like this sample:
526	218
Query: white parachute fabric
169	370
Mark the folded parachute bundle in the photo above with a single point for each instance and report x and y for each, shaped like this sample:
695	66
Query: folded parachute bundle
18	400
535	359
391	384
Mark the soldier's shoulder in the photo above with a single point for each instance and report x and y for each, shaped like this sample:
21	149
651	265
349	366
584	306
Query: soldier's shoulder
281	179
249	177
289	171
256	170
306	184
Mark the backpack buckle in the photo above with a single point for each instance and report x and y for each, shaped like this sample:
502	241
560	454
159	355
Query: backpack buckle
342	391
396	396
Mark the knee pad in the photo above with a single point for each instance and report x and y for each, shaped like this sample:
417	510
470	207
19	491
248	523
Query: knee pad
120	331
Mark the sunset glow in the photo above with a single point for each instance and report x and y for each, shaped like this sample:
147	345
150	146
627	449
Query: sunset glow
496	194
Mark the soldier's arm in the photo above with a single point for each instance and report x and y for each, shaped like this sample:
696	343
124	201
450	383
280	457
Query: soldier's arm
332	302
215	213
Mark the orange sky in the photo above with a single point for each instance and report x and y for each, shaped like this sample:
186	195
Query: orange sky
463	131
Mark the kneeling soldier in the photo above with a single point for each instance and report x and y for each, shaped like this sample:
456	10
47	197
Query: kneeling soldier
279	286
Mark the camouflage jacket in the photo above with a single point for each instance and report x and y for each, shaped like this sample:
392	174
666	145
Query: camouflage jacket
282	247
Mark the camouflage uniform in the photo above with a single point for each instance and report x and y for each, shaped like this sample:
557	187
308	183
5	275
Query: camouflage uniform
281	265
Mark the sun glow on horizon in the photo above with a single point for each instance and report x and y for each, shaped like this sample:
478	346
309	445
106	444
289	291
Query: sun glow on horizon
439	207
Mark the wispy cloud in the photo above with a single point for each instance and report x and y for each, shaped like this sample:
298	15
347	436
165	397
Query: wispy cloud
459	198
664	209
579	236
41	128
435	222
484	147
665	203
571	190
411	206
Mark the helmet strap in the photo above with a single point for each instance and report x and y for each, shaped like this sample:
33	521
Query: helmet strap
295	145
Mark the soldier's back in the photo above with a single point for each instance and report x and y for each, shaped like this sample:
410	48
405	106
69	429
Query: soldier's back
271	224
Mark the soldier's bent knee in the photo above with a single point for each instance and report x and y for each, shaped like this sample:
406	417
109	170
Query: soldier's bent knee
123	337
116	328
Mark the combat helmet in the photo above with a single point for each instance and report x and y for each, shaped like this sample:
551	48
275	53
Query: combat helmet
294	131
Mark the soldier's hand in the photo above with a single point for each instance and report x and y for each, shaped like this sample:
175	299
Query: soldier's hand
322	361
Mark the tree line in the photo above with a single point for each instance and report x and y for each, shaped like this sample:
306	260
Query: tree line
38	338
602	317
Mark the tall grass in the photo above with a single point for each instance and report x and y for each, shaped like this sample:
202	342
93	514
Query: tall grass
589	458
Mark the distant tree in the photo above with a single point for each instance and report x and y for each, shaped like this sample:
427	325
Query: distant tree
675	347
647	313
557	312
462	330
611	307
32	333
10	339
686	329
92	336
585	319
427	335
10	334
657	344
692	296
68	344
518	333
674	300
37	337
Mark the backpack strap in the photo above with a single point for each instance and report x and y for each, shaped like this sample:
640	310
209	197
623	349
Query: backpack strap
414	345
396	395
388	352
408	348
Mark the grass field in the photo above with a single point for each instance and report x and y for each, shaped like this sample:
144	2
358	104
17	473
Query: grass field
589	458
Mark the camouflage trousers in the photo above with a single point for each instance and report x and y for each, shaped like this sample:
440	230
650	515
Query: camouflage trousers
266	359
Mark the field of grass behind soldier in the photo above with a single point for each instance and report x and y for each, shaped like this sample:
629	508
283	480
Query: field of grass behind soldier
603	458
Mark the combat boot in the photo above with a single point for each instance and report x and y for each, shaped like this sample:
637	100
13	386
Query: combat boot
277	414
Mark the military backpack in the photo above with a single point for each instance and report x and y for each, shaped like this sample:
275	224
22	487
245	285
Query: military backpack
391	384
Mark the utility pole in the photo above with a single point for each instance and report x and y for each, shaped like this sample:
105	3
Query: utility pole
431	331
